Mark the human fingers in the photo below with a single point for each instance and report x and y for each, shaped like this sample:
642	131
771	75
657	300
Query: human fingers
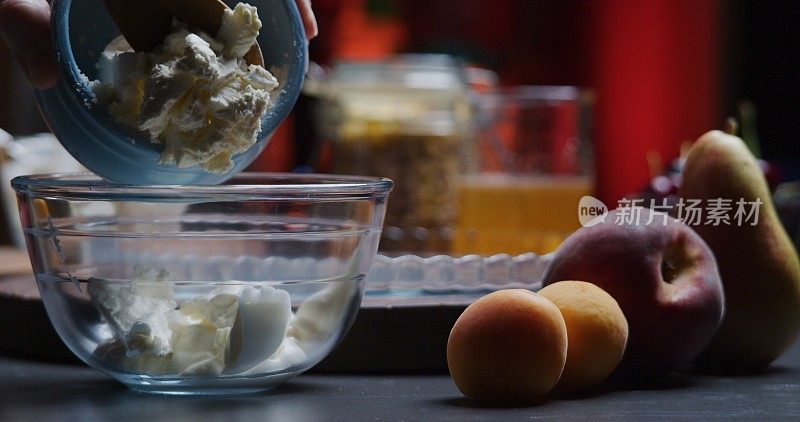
309	20
25	27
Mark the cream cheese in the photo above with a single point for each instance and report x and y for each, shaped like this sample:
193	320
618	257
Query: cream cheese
310	327
237	328
239	30
137	311
194	94
261	326
232	328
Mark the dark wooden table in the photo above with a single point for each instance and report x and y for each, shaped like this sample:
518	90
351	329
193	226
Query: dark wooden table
39	390
42	391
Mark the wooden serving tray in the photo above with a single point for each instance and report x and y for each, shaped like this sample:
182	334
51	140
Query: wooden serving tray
25	329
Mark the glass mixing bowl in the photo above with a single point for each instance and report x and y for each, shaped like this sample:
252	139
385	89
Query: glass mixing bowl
202	289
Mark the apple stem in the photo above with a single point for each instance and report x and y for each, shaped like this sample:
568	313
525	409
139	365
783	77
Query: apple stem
668	270
731	126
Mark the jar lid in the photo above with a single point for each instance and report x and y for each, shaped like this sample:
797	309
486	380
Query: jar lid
413	74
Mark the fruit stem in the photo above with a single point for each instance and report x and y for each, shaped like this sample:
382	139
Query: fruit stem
731	126
668	270
747	115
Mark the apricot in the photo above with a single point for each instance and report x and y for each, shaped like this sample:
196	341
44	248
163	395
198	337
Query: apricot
509	346
597	332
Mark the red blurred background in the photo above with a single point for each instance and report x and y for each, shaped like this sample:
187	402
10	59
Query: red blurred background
663	71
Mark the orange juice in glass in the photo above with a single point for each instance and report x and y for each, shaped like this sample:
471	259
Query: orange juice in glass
535	167
514	215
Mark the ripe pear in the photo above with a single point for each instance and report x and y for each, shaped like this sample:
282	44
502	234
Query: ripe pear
758	264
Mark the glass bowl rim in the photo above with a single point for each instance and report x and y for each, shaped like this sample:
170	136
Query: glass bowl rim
243	186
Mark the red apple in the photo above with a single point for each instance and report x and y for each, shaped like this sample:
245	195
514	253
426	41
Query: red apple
662	274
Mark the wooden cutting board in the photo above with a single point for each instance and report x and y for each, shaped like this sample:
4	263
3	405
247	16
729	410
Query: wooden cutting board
14	261
25	329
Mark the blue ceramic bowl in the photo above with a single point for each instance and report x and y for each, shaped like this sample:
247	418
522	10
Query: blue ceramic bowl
82	29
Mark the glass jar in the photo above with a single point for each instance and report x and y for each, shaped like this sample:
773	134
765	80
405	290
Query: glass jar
535	166
407	118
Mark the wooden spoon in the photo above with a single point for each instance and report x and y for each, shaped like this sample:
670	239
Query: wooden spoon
145	23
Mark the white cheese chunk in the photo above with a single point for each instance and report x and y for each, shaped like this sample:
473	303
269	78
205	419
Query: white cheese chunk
194	94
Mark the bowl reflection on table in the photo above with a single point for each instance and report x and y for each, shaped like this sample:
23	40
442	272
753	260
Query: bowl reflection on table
202	289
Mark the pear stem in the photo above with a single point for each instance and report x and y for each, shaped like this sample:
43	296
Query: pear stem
731	126
747	115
